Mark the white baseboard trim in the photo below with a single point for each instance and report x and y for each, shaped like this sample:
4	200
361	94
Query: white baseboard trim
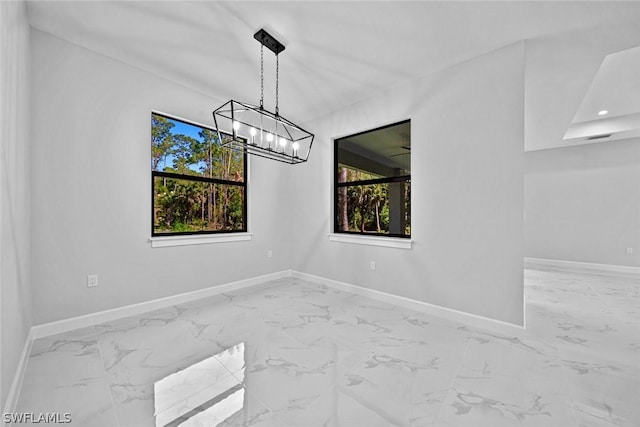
474	320
575	266
65	325
18	378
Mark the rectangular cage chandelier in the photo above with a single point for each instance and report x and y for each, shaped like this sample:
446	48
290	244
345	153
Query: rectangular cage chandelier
254	130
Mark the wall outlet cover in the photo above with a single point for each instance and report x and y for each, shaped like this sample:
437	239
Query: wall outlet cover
92	281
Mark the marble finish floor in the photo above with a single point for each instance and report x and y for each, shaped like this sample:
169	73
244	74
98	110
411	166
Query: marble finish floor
293	353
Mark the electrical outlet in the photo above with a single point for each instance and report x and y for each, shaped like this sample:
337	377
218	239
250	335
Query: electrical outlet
629	251
92	281
269	253
372	265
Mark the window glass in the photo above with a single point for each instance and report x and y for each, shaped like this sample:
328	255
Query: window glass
198	185
372	191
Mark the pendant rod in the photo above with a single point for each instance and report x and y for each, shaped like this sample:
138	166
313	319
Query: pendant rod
261	76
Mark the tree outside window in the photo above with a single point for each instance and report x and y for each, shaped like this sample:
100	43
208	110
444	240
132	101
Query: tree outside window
198	186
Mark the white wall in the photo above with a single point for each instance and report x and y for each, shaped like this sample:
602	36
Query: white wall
467	190
582	203
15	297
91	189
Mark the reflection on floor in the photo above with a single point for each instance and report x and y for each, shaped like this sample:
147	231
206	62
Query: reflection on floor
205	393
294	353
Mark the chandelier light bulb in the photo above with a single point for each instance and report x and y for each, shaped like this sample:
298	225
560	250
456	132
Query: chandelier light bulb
236	125
295	146
269	137
253	131
283	142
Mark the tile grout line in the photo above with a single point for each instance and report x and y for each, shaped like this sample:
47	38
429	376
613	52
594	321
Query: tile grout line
453	378
108	381
242	382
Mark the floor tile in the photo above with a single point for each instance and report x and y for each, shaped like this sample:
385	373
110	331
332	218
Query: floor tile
295	353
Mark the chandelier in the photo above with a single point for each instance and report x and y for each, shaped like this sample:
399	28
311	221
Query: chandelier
254	130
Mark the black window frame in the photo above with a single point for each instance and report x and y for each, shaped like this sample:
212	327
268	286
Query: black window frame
242	184
386	180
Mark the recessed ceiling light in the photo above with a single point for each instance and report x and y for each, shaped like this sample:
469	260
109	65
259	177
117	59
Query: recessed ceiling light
603	112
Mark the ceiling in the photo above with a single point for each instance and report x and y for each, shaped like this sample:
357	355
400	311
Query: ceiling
338	53
388	147
610	108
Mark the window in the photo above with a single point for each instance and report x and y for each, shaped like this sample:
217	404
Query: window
198	186
372	182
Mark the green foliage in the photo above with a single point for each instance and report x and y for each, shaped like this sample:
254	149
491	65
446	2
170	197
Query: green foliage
180	226
161	139
365	208
183	205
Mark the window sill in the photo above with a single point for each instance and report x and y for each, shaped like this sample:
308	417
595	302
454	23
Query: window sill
389	242
166	241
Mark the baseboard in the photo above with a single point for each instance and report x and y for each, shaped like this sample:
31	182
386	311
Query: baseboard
474	320
16	385
65	325
581	267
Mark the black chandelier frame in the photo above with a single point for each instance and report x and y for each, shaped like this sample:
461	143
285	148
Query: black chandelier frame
254	130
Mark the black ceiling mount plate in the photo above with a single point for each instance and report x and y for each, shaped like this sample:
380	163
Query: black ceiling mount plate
269	41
